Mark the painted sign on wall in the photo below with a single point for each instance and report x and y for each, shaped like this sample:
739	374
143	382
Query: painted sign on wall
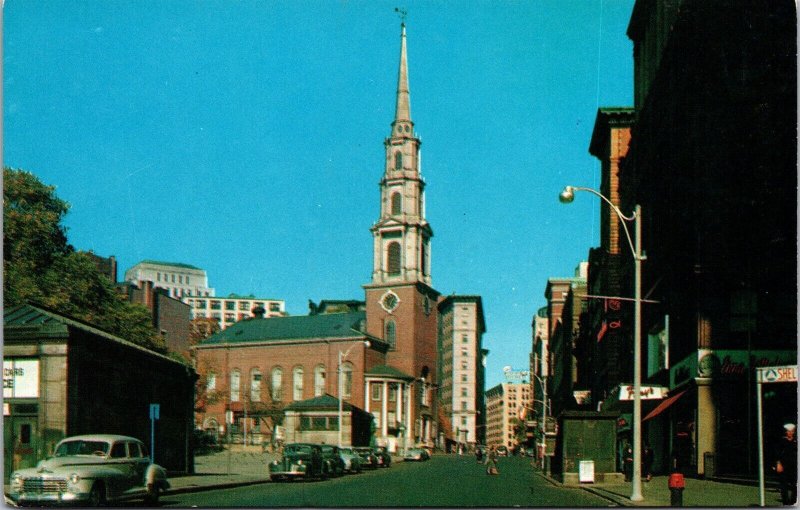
21	378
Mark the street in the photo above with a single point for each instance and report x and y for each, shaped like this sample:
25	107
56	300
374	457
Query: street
445	481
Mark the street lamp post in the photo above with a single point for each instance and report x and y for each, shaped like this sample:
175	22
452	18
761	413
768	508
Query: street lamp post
567	196
342	357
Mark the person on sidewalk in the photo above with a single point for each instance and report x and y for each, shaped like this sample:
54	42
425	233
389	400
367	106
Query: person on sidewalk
491	461
647	462
786	465
627	461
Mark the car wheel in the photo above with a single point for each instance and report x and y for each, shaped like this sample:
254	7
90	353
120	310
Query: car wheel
97	496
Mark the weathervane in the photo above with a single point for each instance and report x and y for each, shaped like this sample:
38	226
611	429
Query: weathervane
402	13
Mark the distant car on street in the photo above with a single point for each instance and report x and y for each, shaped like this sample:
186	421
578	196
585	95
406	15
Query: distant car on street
416	454
91	470
502	450
332	462
352	460
299	460
368	458
383	456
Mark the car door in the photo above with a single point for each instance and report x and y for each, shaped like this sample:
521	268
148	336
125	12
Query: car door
120	465
139	462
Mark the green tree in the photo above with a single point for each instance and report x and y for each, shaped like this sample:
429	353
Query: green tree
40	266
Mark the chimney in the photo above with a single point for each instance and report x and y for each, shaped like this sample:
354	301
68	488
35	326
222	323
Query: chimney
258	312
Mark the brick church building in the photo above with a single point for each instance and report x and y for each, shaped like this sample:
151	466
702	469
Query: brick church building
379	355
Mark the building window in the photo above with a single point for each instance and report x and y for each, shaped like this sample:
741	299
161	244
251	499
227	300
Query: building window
397	204
244	305
274	307
187	281
463	365
255	385
180	278
230	317
297	383
463	421
463	405
463	377
391	335
463	392
398	160
230	305
347	380
319	380
465	338
277	384
393	256
173	278
216	305
235	380
158	277
211	381
377	391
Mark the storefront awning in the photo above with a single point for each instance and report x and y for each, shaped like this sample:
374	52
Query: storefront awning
663	406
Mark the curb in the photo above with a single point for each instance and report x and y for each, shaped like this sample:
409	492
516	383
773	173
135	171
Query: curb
215	486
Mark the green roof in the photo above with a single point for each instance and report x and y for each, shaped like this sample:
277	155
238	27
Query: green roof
328	402
387	371
21	319
334	325
173	264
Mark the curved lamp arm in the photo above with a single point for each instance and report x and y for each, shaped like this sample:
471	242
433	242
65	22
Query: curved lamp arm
568	195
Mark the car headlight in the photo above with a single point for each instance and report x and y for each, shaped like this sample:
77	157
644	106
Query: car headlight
299	462
74	478
16	480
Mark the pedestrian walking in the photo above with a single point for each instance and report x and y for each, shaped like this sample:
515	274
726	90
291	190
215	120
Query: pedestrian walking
647	462
491	461
479	455
627	461
786	465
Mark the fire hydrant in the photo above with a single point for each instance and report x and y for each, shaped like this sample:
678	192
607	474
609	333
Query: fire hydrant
676	486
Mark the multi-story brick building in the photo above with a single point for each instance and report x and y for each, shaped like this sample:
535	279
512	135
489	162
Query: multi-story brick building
179	279
504	404
461	368
170	316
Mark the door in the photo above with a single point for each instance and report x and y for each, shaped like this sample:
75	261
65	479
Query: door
23	441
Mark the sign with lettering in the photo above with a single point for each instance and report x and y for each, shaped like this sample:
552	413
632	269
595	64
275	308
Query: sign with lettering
786	373
515	375
646	392
21	378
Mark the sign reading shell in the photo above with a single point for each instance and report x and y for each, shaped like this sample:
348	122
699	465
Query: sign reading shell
786	373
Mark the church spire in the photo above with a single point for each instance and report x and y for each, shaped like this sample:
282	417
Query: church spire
403	109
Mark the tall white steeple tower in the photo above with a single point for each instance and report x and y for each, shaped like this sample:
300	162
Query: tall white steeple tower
401	234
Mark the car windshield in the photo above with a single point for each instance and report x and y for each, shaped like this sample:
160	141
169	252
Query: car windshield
81	447
301	449
346	450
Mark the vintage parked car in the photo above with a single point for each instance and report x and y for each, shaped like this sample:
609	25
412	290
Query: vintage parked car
299	460
384	459
332	462
419	454
91	470
502	450
352	460
368	459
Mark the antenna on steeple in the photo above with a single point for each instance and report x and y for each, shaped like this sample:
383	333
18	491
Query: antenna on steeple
402	13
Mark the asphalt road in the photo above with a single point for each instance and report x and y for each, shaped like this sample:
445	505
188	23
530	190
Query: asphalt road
444	481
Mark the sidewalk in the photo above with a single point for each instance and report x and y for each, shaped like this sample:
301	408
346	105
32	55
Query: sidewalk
224	469
698	493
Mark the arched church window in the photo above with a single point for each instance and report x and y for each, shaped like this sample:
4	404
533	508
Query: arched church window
393	262
277	384
397	203
297	383
391	335
398	160
319	380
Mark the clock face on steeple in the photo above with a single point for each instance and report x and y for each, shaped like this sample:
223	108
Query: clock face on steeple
390	301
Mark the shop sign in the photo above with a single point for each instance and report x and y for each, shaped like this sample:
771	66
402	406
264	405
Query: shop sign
515	375
21	378
787	373
646	392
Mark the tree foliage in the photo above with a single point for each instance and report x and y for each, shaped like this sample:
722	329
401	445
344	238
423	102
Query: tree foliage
40	266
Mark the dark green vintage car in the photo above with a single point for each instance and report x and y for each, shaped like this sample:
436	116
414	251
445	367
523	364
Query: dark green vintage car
300	460
332	461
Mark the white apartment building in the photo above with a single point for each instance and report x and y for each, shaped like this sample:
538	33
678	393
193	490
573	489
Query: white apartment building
180	280
503	404
461	366
233	308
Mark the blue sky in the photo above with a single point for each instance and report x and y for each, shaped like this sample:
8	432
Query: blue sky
246	137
